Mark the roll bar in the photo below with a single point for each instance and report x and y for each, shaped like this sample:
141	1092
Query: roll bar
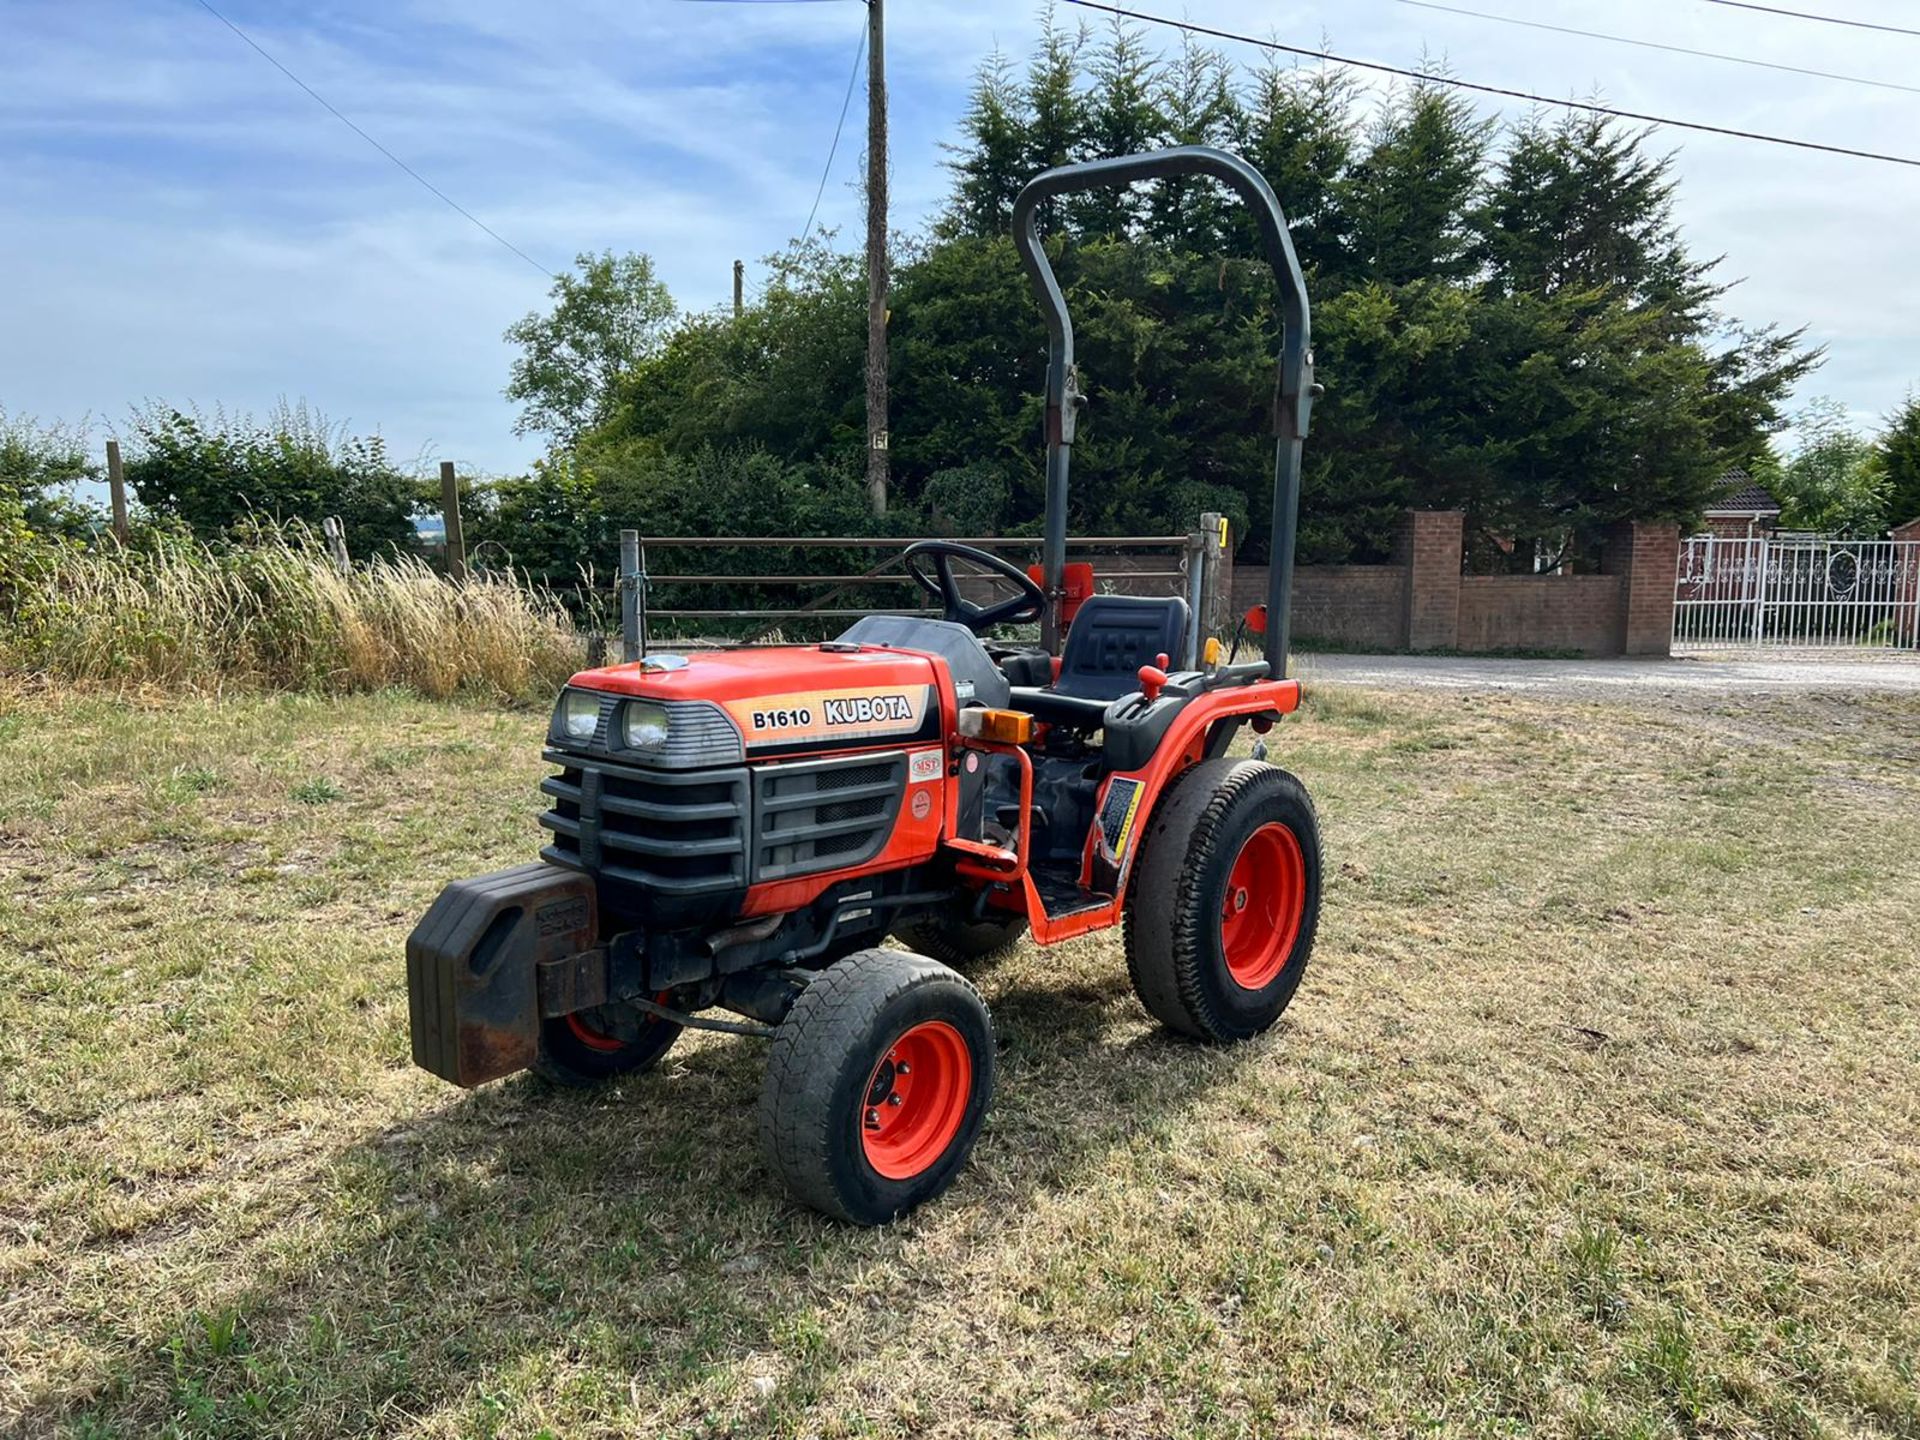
1294	390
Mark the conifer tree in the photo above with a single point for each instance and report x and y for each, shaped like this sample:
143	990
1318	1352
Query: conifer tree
1899	451
1413	193
1122	117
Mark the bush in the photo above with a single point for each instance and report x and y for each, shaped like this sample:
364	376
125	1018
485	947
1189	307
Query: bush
39	464
218	473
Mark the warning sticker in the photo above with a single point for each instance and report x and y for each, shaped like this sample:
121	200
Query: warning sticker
815	715
1113	833
1116	816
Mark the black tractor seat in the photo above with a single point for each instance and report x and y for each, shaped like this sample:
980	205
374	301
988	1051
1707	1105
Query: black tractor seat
1112	636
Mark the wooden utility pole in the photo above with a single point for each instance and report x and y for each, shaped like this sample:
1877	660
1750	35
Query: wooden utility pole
117	491
450	514
739	288
876	258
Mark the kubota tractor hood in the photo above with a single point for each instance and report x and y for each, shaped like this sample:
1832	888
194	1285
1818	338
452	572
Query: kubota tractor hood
783	696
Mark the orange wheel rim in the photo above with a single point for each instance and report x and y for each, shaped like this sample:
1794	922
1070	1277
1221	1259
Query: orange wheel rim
1261	912
592	1038
606	1044
916	1098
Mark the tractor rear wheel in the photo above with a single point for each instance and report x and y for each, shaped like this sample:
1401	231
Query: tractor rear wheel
957	941
1225	900
879	1078
590	1046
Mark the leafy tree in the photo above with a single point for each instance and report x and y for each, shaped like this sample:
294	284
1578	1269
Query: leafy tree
1898	450
787	376
1833	482
603	322
217	473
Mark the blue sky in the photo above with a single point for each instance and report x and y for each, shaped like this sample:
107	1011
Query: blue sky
181	223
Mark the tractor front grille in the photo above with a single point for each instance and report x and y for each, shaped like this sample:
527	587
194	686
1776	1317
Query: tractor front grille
679	832
697	832
813	815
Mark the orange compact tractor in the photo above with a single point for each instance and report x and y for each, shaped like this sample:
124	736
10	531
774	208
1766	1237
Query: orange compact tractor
740	829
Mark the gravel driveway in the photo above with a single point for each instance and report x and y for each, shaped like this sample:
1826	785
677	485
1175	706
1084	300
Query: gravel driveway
1697	674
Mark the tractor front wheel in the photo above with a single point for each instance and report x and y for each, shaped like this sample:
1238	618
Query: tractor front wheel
879	1078
590	1046
1225	900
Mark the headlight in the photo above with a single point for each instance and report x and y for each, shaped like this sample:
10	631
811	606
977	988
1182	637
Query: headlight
646	725
579	714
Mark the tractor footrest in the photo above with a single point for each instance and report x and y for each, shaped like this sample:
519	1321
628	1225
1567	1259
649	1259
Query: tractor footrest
475	963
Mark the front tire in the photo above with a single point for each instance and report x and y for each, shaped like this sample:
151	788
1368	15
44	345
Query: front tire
592	1046
877	1084
1225	900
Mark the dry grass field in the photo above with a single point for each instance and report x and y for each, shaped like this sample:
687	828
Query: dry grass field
1597	1115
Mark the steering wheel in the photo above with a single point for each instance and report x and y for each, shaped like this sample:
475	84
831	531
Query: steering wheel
937	579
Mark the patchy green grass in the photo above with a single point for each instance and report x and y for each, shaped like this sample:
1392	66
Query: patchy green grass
1595	1116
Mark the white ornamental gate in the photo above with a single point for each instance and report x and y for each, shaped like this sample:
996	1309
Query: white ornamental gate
1775	590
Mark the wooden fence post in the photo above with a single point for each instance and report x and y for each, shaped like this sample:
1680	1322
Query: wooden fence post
117	489
450	515
336	534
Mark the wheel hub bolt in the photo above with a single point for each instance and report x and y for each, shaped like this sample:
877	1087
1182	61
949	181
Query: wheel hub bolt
903	1069
873	1117
894	1099
1240	899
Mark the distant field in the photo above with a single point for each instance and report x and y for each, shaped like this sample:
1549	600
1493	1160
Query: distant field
1597	1115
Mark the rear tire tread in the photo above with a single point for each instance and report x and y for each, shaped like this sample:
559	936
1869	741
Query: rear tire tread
1166	941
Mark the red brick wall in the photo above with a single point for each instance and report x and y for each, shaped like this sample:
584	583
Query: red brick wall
1646	557
1422	602
1429	546
1911	532
1541	612
1359	605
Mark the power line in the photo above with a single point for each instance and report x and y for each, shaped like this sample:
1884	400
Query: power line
1823	19
1657	45
1587	106
446	198
859	54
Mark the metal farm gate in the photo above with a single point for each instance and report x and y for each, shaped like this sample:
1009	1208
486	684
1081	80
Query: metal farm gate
1796	591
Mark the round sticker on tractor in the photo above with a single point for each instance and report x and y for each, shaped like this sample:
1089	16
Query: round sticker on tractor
922	804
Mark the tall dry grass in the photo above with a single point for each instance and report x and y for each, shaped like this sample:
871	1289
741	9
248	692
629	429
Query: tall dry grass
278	615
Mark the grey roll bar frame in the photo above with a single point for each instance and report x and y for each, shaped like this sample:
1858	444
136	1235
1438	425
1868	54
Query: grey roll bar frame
1294	389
